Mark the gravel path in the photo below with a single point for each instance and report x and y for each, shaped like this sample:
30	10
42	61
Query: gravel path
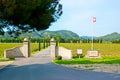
109	68
40	67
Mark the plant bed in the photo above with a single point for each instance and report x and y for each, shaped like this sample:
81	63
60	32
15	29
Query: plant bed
105	64
104	60
4	59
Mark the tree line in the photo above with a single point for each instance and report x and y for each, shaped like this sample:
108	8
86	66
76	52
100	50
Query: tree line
81	40
58	40
87	41
20	40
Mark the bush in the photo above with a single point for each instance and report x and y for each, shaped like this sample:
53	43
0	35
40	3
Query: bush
59	58
12	58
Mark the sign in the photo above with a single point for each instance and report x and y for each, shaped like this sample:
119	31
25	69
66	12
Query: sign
93	54
79	51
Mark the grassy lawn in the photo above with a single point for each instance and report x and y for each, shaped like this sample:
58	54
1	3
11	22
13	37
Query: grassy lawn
34	48
5	59
104	60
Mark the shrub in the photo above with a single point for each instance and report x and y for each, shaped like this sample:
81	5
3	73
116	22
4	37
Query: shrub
11	58
59	58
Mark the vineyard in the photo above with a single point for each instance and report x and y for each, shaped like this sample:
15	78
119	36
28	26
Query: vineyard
3	46
105	49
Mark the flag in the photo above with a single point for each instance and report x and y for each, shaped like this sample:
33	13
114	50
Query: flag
94	19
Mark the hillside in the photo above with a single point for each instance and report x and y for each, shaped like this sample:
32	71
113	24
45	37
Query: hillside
64	34
110	37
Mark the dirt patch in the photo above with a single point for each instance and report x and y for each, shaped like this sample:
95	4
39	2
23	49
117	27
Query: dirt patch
110	68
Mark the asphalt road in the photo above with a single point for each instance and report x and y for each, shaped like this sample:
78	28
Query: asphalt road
40	67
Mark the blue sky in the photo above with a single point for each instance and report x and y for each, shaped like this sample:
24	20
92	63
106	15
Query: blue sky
77	17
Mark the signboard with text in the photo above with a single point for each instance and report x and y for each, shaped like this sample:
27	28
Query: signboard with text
79	51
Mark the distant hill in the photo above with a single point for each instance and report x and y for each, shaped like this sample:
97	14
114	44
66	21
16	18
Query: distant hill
110	37
85	37
64	34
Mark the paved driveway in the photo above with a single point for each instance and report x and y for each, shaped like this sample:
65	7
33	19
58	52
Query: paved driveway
40	67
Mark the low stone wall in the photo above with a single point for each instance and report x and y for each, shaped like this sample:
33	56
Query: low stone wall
59	51
14	52
65	53
93	54
23	51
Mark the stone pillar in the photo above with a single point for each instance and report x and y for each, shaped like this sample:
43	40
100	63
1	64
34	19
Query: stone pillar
53	48
26	48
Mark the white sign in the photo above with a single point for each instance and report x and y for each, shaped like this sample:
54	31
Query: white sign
79	51
93	53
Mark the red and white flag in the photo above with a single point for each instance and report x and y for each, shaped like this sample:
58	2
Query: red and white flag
94	19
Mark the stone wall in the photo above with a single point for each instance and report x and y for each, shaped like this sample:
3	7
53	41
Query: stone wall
14	52
59	51
23	51
65	53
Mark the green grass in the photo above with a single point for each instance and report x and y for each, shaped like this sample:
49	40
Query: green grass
104	60
4	59
34	48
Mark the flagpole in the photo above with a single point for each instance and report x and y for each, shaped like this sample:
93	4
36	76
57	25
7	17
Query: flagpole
92	46
92	40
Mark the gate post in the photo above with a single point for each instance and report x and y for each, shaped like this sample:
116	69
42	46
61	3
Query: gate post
53	48
26	48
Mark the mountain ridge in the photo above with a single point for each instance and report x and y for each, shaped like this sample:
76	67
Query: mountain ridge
44	34
110	37
65	34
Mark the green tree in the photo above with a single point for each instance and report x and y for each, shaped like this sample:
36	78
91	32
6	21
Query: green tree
17	16
57	38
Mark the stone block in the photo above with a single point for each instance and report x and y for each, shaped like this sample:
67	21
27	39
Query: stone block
93	54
